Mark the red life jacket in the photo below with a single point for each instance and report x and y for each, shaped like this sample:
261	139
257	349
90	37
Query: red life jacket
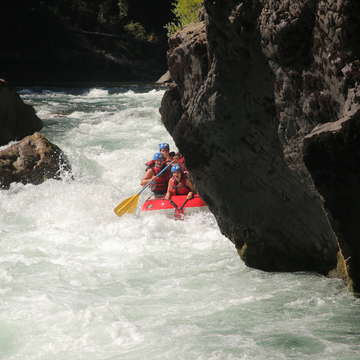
178	188
150	164
160	183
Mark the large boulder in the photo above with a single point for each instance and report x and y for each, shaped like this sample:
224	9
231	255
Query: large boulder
249	84
32	160
16	118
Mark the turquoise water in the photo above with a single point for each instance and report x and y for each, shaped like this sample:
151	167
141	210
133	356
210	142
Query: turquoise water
77	282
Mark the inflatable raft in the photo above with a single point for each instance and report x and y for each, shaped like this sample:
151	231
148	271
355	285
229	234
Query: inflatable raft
177	206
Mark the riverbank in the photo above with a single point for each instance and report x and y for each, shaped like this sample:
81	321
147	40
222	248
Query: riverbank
55	85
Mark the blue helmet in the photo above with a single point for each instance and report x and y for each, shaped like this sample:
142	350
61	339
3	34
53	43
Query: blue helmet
176	168
164	146
158	156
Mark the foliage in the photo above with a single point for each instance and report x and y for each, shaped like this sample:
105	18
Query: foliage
186	12
123	8
136	30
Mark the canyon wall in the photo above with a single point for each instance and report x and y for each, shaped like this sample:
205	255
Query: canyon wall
250	83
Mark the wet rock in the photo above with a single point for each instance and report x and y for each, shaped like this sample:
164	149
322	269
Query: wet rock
32	160
248	86
332	154
165	79
16	118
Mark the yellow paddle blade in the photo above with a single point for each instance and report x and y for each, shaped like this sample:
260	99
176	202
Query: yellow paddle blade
127	206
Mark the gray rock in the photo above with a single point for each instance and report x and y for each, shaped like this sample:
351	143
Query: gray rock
32	160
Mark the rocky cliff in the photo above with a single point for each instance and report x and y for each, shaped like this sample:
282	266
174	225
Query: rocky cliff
248	86
16	118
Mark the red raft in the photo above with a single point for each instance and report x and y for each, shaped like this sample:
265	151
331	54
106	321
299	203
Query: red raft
178	205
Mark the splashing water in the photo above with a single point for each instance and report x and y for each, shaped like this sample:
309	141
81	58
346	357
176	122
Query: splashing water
77	282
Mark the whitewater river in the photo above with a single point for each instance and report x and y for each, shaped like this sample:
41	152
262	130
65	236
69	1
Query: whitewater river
78	282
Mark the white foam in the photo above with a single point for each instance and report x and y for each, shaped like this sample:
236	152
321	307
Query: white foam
97	93
77	281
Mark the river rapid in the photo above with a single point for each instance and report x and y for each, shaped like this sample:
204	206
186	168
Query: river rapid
78	282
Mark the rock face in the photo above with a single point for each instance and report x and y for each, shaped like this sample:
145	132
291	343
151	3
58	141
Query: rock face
16	118
249	85
332	154
32	160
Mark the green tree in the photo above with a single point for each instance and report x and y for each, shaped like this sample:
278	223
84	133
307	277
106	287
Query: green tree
186	12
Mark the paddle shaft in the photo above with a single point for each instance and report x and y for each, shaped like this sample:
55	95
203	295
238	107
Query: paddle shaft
179	211
176	207
173	204
129	205
182	206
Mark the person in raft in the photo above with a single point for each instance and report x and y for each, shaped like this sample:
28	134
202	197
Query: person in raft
180	160
164	149
160	184
179	184
173	157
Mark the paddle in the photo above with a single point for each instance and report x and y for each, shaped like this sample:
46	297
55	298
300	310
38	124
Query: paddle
179	211
129	205
183	204
178	215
